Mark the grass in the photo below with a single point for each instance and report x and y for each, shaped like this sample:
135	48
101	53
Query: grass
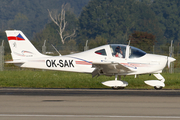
56	79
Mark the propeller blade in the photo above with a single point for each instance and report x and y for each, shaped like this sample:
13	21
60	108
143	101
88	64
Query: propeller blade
169	60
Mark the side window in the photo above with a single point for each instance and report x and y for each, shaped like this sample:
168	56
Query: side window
101	52
118	51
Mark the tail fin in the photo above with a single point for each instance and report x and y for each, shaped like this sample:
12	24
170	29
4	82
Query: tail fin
21	47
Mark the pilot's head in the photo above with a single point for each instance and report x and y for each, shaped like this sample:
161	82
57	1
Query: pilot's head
118	48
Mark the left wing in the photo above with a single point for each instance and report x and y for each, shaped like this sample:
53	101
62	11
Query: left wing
111	68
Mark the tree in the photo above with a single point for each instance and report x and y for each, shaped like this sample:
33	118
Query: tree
143	40
35	11
115	20
59	20
19	21
168	14
49	33
98	41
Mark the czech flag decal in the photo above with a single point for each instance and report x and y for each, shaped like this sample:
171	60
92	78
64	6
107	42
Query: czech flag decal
19	37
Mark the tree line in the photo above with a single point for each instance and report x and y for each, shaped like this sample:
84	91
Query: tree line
31	16
117	21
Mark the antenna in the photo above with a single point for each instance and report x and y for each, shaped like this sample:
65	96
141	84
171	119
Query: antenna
86	47
56	50
129	42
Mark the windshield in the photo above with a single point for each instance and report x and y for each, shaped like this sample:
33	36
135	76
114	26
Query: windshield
135	52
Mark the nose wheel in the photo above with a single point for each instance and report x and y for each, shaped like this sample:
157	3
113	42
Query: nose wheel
157	84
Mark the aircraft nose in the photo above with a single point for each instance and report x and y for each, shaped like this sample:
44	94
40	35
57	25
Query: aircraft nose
171	59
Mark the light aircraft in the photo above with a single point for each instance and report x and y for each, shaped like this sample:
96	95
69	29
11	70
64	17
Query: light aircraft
110	60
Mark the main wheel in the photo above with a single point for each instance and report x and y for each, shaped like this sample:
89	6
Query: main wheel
158	87
117	88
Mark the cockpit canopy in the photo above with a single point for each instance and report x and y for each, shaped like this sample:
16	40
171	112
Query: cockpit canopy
119	50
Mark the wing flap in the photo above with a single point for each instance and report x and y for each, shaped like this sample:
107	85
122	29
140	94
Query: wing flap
113	67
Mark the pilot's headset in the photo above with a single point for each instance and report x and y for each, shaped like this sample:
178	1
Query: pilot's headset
117	49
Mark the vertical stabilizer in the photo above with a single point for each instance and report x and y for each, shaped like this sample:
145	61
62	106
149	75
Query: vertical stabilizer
21	47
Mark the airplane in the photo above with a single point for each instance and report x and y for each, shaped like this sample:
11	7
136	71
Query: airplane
104	60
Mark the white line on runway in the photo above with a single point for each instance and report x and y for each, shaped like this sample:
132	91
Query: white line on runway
89	116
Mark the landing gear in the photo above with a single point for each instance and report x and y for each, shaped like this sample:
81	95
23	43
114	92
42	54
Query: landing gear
116	84
158	87
117	88
157	84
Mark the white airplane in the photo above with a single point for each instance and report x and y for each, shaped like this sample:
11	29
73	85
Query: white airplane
110	60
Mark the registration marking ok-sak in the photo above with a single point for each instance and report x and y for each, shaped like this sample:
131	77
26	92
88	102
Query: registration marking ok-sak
59	63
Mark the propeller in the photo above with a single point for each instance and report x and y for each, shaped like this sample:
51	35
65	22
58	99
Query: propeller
169	60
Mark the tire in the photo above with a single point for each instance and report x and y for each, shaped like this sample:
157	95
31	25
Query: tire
117	88
158	88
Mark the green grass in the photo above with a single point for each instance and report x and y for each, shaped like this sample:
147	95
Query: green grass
56	79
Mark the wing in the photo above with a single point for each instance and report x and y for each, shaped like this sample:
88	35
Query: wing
111	68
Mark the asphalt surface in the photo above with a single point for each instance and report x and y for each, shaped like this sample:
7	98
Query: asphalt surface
88	104
88	92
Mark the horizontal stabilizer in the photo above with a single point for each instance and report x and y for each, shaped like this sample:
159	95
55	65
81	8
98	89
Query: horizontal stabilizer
15	62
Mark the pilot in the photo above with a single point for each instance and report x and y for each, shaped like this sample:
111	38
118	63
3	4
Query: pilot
119	52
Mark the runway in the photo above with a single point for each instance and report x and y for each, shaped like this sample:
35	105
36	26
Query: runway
88	104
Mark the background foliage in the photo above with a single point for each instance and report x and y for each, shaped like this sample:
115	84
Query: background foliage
113	21
31	16
116	20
